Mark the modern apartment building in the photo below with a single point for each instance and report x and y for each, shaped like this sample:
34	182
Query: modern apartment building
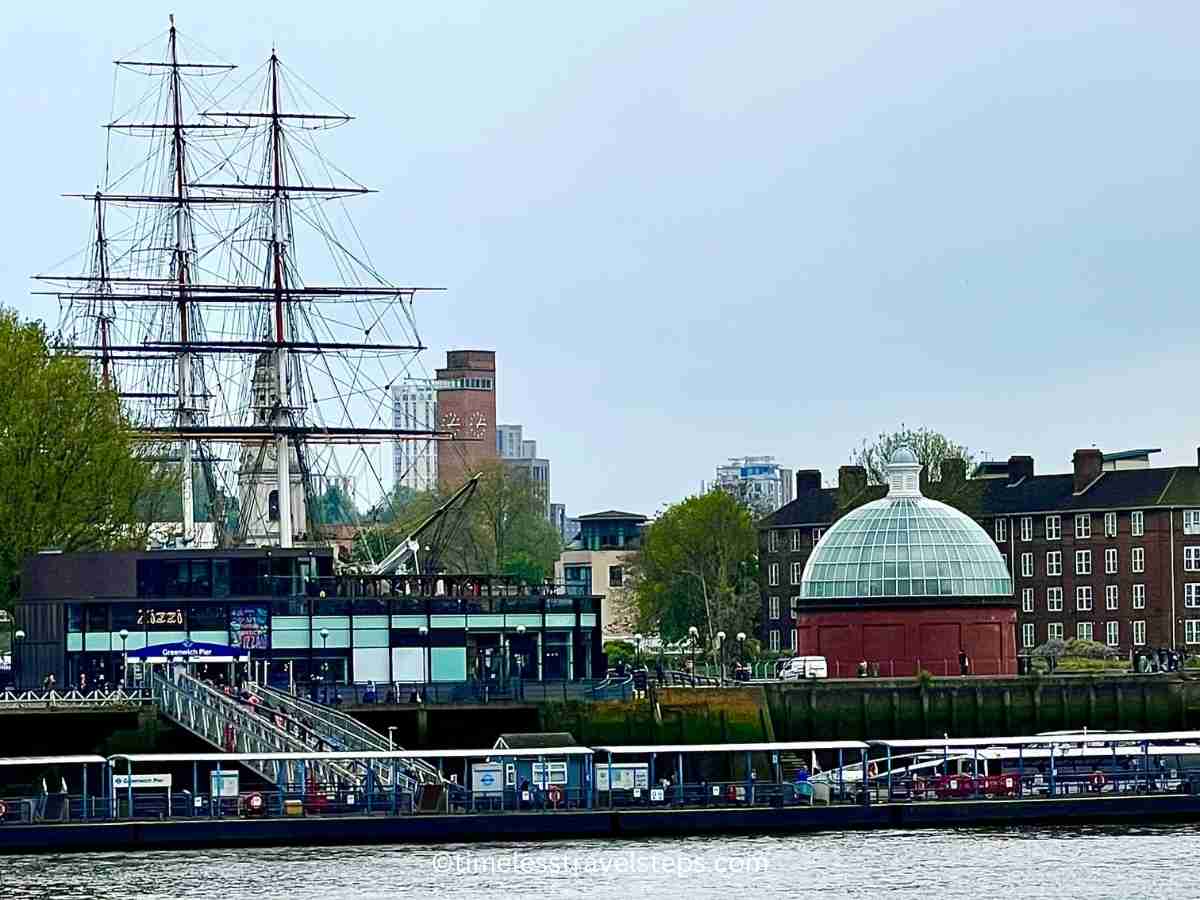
593	565
758	481
415	462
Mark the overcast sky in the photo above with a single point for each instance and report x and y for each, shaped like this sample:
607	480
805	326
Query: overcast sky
719	229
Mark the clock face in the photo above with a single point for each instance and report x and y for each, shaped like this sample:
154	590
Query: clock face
477	425
450	422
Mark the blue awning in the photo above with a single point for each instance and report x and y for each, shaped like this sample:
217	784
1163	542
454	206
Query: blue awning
194	651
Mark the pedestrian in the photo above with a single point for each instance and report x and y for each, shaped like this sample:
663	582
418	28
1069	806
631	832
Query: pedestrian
964	663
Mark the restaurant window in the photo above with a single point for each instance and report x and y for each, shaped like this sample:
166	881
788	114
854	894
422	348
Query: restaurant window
96	617
74	618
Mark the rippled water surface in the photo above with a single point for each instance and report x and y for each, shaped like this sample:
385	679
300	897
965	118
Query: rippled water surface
1092	863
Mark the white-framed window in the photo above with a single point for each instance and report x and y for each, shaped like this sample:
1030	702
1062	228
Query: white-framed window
1191	595
1112	596
1112	633
773	574
797	572
1139	596
1054	562
795	539
1110	561
545	774
794	606
1001	530
1054	631
773	637
1054	599
1083	562
792	639
1191	559
1053	528
1110	524
1027	635
1137	559
1027	528
1139	632
773	607
1083	526
772	541
1191	521
1191	631
816	535
1137	523
1026	565
1083	598
1027	600
1084	631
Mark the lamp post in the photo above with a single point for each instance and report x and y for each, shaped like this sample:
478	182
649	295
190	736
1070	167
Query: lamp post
391	737
124	634
693	635
425	673
721	662
18	636
324	638
637	648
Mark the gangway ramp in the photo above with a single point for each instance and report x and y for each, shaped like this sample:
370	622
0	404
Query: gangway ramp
235	727
341	731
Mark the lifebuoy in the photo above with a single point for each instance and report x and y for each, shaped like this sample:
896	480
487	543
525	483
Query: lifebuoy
872	769
731	793
1097	780
554	794
3	810
254	803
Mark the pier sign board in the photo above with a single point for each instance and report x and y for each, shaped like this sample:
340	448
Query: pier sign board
487	778
625	776
163	781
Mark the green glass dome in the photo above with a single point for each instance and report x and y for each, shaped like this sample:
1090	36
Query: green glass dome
905	545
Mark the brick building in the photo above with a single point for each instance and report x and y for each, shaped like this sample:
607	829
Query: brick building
466	406
1108	551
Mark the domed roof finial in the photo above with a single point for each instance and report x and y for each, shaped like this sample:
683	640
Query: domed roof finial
904	474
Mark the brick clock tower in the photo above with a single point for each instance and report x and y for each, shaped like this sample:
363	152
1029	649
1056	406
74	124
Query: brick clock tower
466	406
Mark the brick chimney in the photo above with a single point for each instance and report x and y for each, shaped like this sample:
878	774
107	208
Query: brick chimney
851	480
1088	466
808	481
1020	467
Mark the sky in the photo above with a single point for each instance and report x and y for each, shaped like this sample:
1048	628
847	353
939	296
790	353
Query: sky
693	231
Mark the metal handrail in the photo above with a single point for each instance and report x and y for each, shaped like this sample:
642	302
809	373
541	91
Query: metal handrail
11	699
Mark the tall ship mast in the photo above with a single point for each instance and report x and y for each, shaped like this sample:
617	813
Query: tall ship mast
224	293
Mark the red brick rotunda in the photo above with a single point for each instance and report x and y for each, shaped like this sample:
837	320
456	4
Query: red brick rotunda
906	583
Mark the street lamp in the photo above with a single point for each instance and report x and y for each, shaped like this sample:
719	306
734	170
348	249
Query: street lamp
391	737
693	635
425	673
124	634
324	638
721	647
637	644
18	635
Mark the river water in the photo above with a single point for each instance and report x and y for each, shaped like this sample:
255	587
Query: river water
1094	863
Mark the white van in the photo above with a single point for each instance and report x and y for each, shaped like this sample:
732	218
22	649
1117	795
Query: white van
800	667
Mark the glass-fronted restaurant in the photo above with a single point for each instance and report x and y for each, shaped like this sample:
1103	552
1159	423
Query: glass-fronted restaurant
84	614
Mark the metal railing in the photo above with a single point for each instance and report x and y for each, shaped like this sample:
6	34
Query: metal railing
418	693
74	699
345	733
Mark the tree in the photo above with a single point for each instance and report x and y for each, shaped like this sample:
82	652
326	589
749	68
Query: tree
71	476
333	507
504	530
697	566
930	447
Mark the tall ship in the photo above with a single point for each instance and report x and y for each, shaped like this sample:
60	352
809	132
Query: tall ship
225	294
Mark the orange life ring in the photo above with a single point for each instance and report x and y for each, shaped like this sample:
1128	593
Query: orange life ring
731	793
3	810
554	794
1097	780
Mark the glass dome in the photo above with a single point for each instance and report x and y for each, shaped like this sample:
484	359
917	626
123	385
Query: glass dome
905	545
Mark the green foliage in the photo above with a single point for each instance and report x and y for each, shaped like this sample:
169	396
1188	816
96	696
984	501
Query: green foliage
618	651
930	447
697	566
71	477
334	507
925	679
1090	650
